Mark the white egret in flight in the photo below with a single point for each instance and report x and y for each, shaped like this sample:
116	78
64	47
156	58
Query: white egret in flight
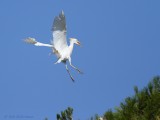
59	44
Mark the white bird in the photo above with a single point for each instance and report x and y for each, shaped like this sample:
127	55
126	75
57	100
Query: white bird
59	44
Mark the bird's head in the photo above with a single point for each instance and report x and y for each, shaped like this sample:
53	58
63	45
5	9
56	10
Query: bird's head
74	40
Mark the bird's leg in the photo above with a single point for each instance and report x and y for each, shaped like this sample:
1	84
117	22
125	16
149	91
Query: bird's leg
69	73
74	66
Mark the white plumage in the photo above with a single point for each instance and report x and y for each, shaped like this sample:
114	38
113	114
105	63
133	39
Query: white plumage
59	44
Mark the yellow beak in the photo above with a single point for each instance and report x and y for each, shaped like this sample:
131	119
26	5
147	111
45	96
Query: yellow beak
78	43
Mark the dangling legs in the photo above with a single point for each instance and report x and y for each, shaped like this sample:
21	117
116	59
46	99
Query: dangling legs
74	66
69	72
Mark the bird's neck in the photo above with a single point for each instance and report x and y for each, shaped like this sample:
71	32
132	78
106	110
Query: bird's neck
71	46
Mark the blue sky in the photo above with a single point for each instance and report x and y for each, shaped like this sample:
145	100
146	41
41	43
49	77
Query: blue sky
121	44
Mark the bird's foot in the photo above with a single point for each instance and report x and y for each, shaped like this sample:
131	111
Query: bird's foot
72	79
80	72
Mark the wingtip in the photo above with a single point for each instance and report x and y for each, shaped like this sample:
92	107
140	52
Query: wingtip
30	40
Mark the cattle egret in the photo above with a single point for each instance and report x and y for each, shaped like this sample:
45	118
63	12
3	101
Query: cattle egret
59	44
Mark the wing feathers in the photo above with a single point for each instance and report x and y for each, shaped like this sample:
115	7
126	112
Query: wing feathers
36	43
59	22
59	33
30	40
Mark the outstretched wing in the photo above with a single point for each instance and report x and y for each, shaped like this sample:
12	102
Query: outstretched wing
59	32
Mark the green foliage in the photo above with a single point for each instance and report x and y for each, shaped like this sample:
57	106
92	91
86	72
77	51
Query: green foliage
96	117
109	115
66	114
144	105
46	118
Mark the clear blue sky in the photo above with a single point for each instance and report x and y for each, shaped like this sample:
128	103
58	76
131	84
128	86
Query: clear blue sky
121	49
